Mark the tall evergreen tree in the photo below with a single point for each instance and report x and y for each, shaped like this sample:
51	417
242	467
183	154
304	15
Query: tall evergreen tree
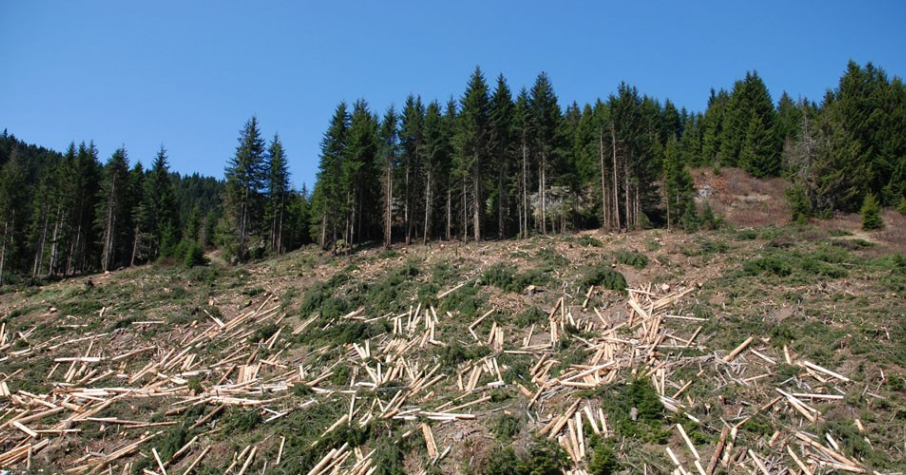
678	184
157	215
472	155
390	157
545	117
524	132
113	209
245	176
360	183
328	196
436	155
277	195
411	137
501	148
12	210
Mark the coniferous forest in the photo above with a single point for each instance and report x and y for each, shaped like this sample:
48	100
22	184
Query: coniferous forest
492	163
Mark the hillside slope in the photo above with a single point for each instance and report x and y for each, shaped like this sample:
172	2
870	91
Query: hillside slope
751	350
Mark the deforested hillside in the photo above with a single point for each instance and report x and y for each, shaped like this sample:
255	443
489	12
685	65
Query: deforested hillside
736	350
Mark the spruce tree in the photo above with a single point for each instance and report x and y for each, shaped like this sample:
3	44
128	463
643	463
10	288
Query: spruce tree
678	184
500	147
245	177
360	182
871	213
113	209
545	117
12	211
277	195
472	154
390	157
328	197
436	155
411	137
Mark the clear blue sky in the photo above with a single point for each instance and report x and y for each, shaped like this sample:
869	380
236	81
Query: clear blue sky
189	74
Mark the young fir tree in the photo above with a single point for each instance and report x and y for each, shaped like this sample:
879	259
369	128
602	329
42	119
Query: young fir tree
277	195
871	213
245	176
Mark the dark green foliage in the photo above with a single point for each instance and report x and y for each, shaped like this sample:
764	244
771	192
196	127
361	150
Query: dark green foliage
604	459
621	401
263	333
465	300
505	427
245	175
544	457
454	353
632	258
901	207
529	316
589	241
603	276
507	279
871	214
194	256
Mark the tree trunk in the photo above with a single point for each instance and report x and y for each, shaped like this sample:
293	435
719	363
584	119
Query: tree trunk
39	249
427	229
525	209
616	195
449	213
3	250
605	210
500	216
388	205
476	199
542	185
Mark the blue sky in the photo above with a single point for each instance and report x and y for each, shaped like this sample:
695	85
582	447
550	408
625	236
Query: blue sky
189	74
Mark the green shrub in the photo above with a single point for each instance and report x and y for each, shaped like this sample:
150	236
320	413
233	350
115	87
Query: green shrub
603	276
632	258
901	208
604	459
194	256
871	214
505	427
588	241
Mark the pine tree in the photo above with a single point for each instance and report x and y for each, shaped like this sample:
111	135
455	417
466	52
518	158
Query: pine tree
277	195
245	176
472	154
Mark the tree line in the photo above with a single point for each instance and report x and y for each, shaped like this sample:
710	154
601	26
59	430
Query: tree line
488	164
65	214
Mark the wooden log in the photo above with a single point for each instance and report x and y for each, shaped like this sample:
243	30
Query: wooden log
739	349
